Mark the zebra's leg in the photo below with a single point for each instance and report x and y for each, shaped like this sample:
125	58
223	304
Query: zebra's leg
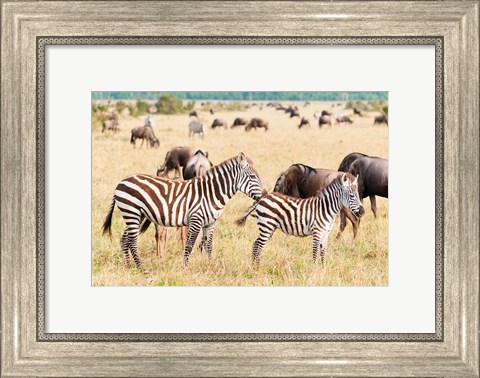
317	241
208	238
323	248
373	205
125	246
257	248
132	240
193	231
161	238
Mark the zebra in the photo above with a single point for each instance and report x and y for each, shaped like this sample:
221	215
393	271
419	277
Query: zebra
196	203
302	217
196	127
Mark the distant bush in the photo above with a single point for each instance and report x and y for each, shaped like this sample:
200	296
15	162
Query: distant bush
169	104
224	106
357	104
120	106
141	107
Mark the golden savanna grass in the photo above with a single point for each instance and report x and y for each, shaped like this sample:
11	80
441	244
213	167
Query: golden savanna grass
286	260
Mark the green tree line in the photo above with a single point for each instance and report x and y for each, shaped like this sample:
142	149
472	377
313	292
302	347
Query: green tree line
246	96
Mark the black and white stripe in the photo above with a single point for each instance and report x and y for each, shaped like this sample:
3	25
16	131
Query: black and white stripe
302	217
196	203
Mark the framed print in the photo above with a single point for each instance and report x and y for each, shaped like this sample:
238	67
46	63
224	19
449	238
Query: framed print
100	103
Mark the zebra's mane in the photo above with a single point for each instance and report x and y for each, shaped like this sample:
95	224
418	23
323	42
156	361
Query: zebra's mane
224	165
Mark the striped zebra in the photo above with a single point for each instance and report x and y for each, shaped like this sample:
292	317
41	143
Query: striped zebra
196	203
301	217
196	127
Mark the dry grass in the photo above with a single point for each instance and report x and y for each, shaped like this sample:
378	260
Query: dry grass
286	260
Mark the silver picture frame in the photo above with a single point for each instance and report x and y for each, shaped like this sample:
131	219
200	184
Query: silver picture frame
28	27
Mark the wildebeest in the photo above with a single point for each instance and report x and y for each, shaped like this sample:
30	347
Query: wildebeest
343	119
324	120
193	114
110	125
357	111
144	133
217	122
304	122
257	123
380	119
175	158
211	111
303	181
239	122
197	166
196	127
294	113
306	103
372	178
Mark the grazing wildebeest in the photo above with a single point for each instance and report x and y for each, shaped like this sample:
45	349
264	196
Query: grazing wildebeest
217	122
196	127
294	113
239	122
193	114
197	166
211	111
175	158
357	111
324	120
257	123
304	122
303	181
110	125
326	113
380	119
343	119
302	217
144	133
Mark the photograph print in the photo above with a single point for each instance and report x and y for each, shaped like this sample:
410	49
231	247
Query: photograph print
240	188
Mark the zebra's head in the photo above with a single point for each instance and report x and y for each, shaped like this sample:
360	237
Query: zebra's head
248	181
350	198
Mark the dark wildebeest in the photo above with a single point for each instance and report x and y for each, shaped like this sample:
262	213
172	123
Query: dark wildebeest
239	122
326	113
324	120
174	159
304	122
372	178
343	119
302	181
306	104
257	123
219	123
144	133
193	114
357	111
381	119
294	113
196	127
211	111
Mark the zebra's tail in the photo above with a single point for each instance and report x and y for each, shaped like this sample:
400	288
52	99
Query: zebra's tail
145	225
107	225
240	222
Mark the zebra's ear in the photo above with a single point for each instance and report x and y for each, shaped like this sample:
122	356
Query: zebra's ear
242	159
344	179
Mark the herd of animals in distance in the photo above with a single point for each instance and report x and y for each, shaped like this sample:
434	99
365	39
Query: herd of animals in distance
189	193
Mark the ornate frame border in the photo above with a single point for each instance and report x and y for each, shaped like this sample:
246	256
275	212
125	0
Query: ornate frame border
43	42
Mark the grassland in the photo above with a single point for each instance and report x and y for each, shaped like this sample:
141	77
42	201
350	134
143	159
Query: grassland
286	260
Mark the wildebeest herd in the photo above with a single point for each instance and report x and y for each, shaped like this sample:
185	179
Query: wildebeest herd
305	200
